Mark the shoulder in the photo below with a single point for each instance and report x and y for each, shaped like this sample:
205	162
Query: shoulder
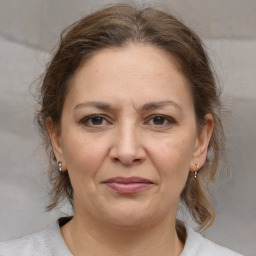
197	245
46	242
28	245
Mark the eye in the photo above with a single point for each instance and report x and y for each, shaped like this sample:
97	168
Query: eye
94	121
161	120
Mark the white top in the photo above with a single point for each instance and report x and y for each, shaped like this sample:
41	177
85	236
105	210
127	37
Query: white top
50	242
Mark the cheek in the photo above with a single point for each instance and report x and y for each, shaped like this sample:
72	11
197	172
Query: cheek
84	158
83	155
172	158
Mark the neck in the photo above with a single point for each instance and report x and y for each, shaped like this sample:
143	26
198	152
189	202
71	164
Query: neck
84	235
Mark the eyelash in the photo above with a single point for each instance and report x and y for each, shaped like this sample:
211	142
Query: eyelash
170	120
87	119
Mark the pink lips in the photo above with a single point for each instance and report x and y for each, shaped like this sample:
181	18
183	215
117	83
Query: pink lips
129	185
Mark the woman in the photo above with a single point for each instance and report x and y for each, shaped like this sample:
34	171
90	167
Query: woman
130	114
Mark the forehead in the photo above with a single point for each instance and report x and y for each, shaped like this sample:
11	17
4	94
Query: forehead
132	58
135	71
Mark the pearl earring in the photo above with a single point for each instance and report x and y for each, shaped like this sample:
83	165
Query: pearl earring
60	166
196	172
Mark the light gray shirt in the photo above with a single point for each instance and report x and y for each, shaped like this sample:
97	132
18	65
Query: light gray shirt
50	242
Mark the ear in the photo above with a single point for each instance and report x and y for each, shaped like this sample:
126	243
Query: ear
55	136
201	145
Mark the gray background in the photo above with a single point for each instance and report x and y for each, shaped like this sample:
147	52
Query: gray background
30	28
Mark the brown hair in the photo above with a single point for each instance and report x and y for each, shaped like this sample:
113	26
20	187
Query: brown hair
117	26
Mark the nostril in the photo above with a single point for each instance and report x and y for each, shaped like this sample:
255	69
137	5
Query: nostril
137	160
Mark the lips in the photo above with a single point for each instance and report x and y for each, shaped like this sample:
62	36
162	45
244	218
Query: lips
127	185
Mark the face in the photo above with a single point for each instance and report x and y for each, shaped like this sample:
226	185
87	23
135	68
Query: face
128	136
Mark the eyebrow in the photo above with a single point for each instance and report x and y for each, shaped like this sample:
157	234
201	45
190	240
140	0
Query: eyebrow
146	107
99	105
160	104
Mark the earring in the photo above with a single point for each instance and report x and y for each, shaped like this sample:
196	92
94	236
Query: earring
60	166
196	172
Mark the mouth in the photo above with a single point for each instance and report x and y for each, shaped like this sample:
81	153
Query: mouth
128	185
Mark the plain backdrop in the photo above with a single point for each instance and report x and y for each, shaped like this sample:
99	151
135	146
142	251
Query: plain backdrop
30	28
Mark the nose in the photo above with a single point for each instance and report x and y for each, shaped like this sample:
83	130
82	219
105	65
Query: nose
128	148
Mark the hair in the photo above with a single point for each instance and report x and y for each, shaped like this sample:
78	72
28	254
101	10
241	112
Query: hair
118	26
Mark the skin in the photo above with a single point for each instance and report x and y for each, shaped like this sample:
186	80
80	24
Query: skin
130	137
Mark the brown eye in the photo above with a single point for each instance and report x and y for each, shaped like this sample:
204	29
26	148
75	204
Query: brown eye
97	120
94	121
159	120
